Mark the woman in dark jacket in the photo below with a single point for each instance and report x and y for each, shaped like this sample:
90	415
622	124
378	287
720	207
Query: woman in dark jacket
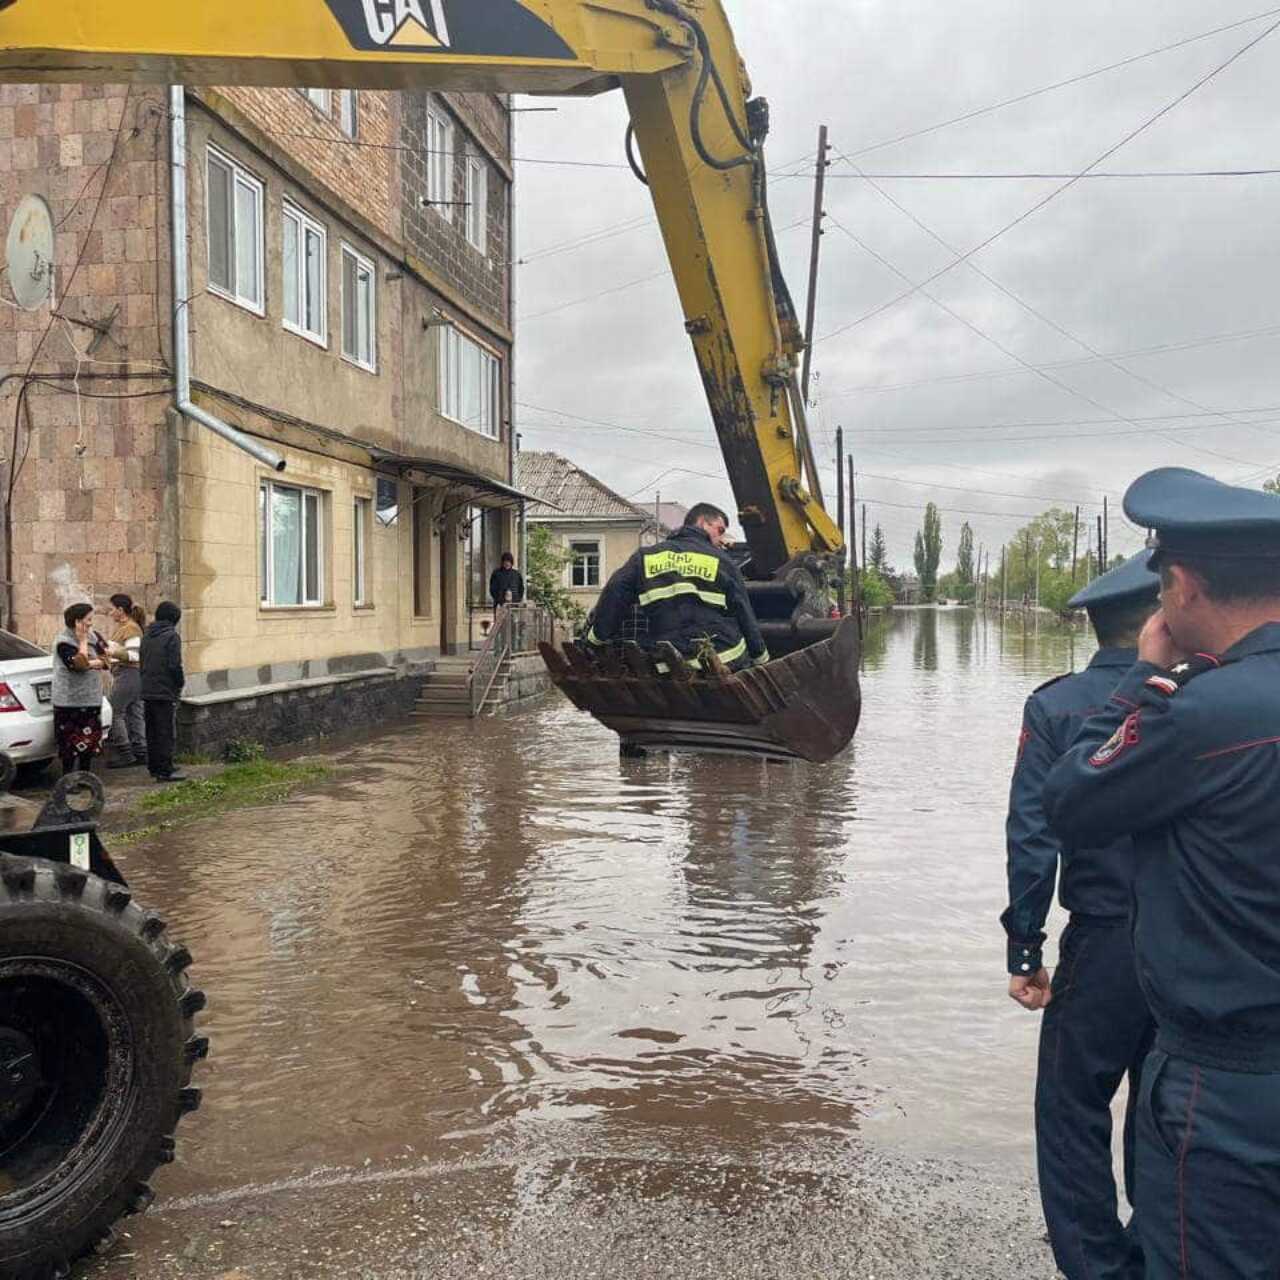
79	660
162	682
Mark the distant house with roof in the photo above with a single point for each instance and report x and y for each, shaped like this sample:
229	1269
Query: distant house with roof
598	528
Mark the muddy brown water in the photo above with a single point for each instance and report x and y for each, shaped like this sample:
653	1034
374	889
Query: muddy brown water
490	933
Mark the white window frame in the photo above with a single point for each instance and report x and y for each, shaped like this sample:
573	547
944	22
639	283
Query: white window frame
306	225
440	133
361	515
449	390
321	99
367	264
349	112
266	588
477	198
240	178
572	564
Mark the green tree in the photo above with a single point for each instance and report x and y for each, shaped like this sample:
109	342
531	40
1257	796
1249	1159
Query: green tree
545	579
928	552
964	556
876	592
878	555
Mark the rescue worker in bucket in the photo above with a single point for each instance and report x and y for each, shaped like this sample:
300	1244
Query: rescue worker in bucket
1096	1027
1185	758
688	592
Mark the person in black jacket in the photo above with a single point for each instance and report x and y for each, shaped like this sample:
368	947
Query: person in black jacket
162	681
687	591
506	586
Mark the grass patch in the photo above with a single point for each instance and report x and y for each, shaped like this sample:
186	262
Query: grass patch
254	782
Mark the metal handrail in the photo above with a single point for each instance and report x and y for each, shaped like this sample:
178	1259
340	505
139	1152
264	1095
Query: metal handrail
493	653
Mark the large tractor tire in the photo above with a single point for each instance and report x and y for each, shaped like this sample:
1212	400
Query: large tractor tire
96	1052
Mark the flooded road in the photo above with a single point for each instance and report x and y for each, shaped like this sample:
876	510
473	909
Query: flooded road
495	950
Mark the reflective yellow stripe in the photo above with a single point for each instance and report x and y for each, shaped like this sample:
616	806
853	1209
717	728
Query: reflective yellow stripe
714	598
727	657
732	655
688	564
592	638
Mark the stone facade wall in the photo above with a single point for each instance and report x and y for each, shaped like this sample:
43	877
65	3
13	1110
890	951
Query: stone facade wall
298	715
362	171
439	240
87	517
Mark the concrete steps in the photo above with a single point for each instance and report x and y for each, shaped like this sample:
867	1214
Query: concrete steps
446	693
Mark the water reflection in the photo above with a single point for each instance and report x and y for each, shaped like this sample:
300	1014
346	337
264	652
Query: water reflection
500	929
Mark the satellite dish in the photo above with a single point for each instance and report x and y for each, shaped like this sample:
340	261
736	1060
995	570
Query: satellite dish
29	253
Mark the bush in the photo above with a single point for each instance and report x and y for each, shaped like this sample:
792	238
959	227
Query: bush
242	751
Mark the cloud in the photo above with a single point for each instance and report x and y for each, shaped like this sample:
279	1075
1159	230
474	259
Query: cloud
1121	264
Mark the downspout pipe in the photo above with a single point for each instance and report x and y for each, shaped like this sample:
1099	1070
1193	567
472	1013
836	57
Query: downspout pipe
182	291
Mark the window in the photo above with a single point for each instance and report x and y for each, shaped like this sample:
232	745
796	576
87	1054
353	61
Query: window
290	562
584	564
440	161
235	231
359	309
477	197
348	112
304	275
360	552
319	98
469	386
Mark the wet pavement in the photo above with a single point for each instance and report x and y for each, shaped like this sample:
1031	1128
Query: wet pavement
495	1001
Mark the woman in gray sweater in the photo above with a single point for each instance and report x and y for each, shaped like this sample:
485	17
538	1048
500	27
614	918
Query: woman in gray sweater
79	660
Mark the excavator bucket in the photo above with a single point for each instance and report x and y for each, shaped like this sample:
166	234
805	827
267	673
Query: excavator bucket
804	706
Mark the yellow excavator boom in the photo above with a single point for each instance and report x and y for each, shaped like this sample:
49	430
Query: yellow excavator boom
700	139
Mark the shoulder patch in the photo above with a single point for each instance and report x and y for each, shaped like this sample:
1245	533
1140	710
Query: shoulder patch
1129	734
1048	684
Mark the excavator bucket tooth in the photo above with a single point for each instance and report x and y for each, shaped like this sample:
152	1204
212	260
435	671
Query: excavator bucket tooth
804	706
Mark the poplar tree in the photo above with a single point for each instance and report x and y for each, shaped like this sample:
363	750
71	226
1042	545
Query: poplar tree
929	552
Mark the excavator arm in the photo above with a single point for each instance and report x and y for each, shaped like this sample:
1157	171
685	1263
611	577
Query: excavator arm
699	133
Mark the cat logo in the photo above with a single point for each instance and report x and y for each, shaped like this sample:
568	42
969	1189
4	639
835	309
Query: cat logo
405	24
492	29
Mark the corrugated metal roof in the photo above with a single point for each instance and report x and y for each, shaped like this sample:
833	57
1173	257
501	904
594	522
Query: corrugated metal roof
570	491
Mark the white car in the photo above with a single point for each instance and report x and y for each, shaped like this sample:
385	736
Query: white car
26	701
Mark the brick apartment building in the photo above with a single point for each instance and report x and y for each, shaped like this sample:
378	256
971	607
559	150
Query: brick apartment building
349	307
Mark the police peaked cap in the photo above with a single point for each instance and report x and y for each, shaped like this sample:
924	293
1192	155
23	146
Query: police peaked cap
1131	581
1195	515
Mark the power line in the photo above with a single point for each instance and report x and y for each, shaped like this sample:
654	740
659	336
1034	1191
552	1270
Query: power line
1064	187
1240	335
1061	84
986	493
1058	328
1043	174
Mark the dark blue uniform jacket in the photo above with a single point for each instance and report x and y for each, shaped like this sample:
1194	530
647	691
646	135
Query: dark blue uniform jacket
1094	881
1192	770
689	591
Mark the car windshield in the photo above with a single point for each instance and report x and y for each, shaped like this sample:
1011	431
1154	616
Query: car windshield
13	647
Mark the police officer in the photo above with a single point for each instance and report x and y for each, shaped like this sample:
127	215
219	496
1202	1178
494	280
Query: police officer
1185	757
688	592
1096	1027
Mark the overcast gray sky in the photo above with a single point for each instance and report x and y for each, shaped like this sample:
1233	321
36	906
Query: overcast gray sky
935	408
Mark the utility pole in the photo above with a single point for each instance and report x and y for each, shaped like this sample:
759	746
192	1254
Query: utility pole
857	573
1075	546
840	594
819	183
657	515
977	581
1106	534
1026	568
1102	555
1003	581
864	523
1039	556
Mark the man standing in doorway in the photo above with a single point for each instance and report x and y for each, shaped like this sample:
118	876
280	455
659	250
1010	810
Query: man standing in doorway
506	584
1185	757
688	592
1096	1027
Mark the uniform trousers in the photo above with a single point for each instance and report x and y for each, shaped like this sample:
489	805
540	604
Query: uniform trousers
1208	1172
1095	1031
